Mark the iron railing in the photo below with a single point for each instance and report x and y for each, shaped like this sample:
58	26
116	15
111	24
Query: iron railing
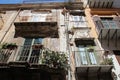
95	57
31	54
7	55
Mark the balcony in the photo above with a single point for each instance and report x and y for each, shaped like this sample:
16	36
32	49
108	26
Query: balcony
35	57
108	30
101	3
91	62
36	26
32	62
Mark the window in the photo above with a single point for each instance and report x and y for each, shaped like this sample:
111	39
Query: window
79	21
29	54
108	22
87	55
41	17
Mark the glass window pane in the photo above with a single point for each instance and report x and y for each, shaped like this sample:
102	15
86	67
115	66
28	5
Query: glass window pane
79	21
38	41
25	50
83	55
28	41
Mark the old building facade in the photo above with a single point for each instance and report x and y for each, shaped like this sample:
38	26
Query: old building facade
83	36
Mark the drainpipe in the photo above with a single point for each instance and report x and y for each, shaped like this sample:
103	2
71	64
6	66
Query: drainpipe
9	26
66	19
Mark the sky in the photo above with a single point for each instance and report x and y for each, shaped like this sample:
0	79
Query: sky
30	1
10	1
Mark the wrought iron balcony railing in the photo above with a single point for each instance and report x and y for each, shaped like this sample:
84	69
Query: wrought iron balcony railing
108	30
33	55
87	62
88	58
7	55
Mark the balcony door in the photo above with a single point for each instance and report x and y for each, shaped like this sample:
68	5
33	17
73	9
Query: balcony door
27	53
79	21
83	55
87	55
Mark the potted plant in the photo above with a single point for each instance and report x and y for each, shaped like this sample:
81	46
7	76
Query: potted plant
37	46
90	49
55	60
107	61
10	46
106	53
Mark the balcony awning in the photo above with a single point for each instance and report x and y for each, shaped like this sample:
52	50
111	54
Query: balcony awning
84	41
36	29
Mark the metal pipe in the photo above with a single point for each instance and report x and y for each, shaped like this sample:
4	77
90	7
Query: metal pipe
66	20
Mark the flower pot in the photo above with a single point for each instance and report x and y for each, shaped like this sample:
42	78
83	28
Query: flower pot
90	50
10	46
37	46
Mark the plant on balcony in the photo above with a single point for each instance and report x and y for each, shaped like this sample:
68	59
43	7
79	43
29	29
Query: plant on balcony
55	60
10	46
37	46
106	53
90	49
107	61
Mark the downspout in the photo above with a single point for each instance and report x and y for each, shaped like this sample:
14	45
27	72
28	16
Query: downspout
66	18
10	26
